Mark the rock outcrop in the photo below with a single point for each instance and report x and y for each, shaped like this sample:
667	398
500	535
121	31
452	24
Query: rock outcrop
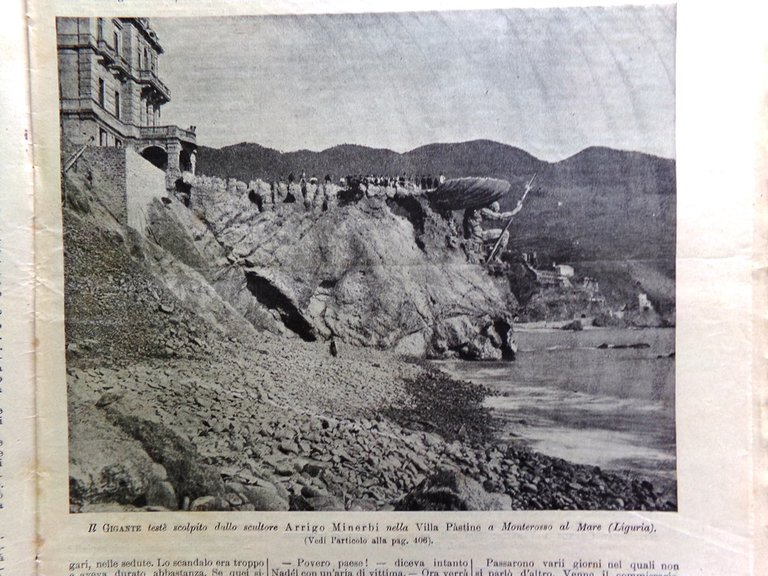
378	272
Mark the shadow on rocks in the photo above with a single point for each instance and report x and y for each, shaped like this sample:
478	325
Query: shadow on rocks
191	478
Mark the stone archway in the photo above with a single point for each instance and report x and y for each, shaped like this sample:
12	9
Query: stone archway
157	156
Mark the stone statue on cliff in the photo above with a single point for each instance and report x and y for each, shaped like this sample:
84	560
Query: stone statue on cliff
478	236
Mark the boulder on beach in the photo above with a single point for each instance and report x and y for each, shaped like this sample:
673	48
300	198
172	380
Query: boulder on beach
574	326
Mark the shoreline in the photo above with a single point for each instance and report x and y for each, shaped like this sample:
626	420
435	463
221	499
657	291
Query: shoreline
372	433
557	326
525	458
566	423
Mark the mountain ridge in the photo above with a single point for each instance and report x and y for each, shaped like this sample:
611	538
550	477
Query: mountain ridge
598	205
593	147
480	157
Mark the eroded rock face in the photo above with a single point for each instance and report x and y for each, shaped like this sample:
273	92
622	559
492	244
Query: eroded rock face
95	473
107	465
377	272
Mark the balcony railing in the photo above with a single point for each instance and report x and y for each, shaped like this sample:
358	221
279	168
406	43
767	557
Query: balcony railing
121	65
149	77
161	132
106	51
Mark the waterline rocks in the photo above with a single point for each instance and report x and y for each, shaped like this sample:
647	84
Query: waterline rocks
225	437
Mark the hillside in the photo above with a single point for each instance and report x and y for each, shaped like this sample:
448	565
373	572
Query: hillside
247	161
595	210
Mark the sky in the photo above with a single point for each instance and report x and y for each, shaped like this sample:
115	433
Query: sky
550	81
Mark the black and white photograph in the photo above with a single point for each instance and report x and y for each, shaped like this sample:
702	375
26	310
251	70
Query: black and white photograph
397	261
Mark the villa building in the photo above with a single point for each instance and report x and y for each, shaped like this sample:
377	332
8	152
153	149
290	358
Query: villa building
111	94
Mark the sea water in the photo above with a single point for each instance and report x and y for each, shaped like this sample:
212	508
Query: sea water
566	397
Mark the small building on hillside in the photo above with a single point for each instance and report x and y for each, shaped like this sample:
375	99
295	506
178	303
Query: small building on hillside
592	288
643	302
564	270
111	95
553	278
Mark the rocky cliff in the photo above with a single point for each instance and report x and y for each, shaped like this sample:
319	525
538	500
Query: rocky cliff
597	210
378	272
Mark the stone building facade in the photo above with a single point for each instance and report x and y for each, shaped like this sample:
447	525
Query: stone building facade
110	92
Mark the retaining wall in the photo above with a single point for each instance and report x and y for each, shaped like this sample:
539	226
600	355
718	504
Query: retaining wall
126	183
145	183
108	168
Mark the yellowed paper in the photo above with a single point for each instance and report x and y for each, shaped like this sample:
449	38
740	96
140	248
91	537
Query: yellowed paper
713	526
17	285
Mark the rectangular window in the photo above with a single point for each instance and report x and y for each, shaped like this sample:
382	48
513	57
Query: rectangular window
116	42
103	137
138	58
101	92
100	29
117	104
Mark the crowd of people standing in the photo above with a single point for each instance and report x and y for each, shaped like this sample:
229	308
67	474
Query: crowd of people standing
315	194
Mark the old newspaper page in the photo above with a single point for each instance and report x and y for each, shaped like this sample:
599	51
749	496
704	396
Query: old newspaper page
397	289
17	399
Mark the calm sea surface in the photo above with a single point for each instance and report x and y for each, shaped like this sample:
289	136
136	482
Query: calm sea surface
563	396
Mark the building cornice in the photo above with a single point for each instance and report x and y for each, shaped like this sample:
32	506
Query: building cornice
143	27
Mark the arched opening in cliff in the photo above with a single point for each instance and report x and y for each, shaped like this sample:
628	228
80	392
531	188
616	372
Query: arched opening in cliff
504	330
273	298
157	156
